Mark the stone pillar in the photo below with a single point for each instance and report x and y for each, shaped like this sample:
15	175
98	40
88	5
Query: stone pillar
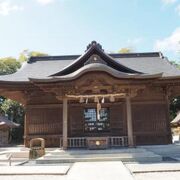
65	123
129	122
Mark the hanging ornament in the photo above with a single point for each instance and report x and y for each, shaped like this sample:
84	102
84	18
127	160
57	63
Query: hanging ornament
98	110
86	100
102	101
81	100
112	99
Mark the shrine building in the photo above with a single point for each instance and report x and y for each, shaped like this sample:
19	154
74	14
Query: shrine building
95	99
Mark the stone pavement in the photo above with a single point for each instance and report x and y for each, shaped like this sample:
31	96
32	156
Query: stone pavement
153	167
158	176
79	171
34	170
155	171
94	171
34	177
114	170
99	171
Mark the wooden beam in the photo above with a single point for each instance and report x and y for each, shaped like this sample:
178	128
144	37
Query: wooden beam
65	123
129	122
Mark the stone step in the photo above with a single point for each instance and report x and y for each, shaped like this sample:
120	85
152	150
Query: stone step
107	151
131	157
51	156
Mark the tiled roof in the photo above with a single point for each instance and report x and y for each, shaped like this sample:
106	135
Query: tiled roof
43	67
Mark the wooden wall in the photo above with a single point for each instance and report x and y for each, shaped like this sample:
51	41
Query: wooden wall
150	124
45	122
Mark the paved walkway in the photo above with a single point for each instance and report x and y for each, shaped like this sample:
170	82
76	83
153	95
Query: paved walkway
99	171
79	171
34	170
157	176
153	167
34	177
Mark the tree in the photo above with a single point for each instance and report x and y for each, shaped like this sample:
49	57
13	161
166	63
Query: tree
25	54
125	50
15	113
9	65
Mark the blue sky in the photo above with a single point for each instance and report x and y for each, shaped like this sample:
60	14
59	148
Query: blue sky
59	27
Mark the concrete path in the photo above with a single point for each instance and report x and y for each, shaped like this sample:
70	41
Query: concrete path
34	177
34	170
158	176
153	167
99	171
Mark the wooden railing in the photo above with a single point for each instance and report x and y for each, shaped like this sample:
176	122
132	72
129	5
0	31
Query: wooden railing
77	142
81	142
118	141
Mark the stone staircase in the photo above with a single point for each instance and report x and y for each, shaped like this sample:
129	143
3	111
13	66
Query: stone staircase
82	155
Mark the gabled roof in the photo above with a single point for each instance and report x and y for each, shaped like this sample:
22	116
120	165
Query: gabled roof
99	56
5	122
132	64
98	68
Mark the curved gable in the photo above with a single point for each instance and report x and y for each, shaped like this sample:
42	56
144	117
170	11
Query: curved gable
95	54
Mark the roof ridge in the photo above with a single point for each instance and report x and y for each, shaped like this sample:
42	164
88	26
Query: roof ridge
113	55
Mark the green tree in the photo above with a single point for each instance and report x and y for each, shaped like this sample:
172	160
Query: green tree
125	50
15	113
9	65
24	55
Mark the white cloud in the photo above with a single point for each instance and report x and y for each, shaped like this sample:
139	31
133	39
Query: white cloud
45	2
178	9
169	44
166	2
7	7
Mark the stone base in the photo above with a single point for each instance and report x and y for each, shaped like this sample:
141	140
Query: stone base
125	155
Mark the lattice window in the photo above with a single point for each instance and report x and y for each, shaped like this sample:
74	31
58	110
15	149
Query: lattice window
92	124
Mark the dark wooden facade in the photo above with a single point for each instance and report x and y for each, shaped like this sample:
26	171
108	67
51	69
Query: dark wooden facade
150	121
54	112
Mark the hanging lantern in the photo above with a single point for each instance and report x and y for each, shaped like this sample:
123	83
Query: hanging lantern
98	110
81	100
112	98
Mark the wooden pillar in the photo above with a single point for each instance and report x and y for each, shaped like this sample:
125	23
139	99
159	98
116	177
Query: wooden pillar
168	119
26	124
65	123
25	130
129	122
